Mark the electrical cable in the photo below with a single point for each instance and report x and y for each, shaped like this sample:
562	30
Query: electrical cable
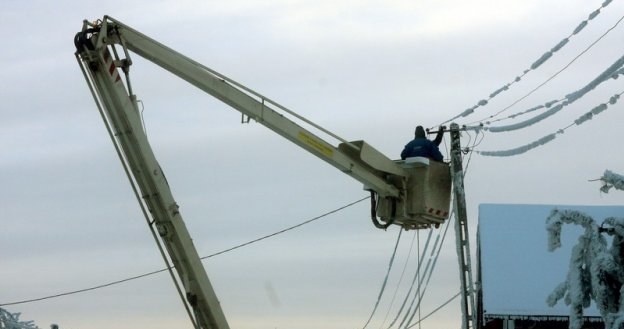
396	290
552	76
385	281
286	229
470	149
436	310
167	269
414	280
430	273
548	138
437	248
418	292
546	56
84	290
521	113
612	72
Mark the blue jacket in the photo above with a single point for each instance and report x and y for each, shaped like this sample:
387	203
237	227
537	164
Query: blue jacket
421	147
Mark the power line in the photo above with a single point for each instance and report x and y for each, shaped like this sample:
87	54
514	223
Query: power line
428	274
437	309
169	268
548	138
546	56
554	75
385	281
612	72
414	280
398	285
288	229
84	290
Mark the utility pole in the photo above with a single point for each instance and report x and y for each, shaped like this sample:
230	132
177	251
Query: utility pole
461	232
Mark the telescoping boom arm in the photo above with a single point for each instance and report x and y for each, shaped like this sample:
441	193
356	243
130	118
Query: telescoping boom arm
103	52
110	32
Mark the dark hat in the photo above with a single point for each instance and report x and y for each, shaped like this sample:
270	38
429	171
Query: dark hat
420	132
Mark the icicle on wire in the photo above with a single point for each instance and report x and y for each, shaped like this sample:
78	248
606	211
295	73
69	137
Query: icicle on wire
527	111
612	72
552	76
547	105
546	56
548	138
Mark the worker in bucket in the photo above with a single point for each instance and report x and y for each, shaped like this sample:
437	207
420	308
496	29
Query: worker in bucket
420	146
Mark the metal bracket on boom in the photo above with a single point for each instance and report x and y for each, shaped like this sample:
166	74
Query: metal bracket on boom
245	118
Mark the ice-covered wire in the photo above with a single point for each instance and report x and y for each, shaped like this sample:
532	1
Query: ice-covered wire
398	285
414	280
385	281
427	275
551	77
546	56
520	149
548	138
517	114
611	72
523	124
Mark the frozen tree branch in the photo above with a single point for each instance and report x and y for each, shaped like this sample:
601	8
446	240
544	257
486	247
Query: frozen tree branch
11	321
611	179
578	281
596	271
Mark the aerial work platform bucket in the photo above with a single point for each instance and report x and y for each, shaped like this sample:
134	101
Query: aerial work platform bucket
428	195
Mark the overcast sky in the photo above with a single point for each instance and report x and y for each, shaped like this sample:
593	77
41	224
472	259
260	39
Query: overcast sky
368	70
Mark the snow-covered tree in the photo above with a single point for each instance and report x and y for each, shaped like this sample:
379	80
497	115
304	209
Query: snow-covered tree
611	179
596	269
11	321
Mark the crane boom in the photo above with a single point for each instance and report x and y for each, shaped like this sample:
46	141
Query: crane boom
121	115
369	170
103	53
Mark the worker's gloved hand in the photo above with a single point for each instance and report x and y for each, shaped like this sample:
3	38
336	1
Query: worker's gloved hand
439	136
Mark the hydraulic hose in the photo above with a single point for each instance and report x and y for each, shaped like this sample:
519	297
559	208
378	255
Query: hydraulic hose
374	212
82	40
